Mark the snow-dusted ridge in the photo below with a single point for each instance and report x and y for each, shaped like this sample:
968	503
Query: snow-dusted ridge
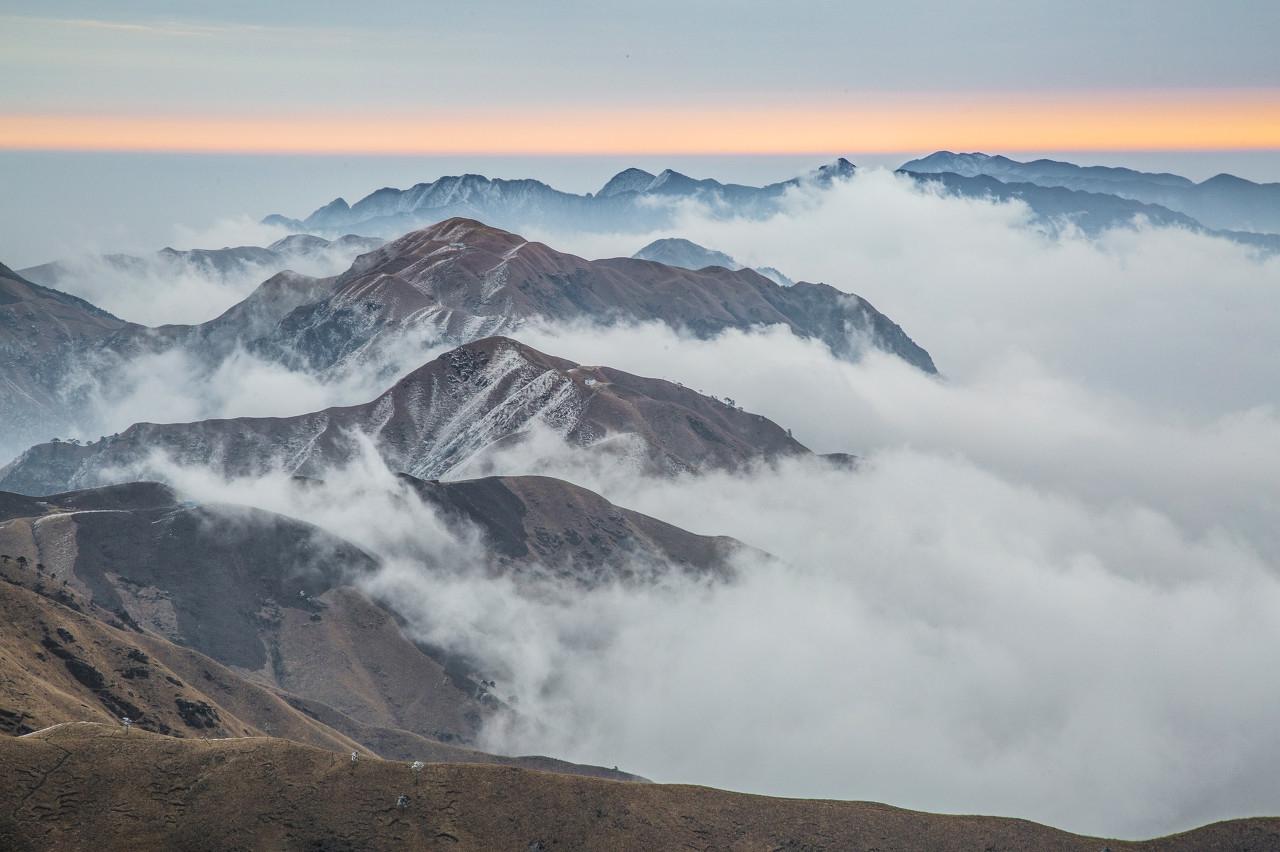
443	418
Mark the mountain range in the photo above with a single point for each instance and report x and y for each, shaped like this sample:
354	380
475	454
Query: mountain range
1097	198
291	252
1092	198
1223	202
131	790
459	280
445	417
453	282
633	199
273	703
183	673
279	604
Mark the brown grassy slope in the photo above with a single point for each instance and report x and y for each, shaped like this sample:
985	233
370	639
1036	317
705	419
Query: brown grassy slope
225	581
59	663
399	744
91	786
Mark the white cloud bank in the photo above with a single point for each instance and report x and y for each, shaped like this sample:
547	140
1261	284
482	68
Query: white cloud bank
1160	316
1026	604
1052	591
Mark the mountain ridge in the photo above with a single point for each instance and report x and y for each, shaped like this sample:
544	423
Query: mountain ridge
281	604
218	263
452	282
448	413
1223	203
517	203
462	279
269	793
67	656
686	254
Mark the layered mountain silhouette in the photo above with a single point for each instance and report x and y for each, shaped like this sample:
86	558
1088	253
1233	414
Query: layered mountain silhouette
275	687
633	199
674	251
1102	196
447	416
460	279
1093	198
455	281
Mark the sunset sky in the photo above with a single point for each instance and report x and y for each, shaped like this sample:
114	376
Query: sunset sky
681	77
152	113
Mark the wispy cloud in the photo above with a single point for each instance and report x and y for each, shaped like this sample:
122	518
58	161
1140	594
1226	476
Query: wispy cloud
170	28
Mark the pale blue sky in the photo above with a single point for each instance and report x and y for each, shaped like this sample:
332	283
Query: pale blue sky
147	55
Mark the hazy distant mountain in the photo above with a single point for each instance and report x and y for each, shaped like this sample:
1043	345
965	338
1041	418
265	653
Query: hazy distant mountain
1045	172
627	200
460	279
223	262
442	417
1224	202
685	254
1092	212
302	252
689	255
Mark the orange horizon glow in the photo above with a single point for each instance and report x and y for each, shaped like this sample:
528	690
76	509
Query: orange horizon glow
1234	120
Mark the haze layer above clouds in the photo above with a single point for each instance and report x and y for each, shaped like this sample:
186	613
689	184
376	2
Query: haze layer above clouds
160	289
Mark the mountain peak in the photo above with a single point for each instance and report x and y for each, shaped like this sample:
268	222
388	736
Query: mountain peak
840	165
299	243
461	274
486	348
837	168
1227	180
458	229
670	180
968	164
336	212
676	251
445	416
627	180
